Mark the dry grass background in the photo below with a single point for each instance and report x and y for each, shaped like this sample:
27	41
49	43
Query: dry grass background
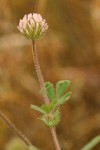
70	50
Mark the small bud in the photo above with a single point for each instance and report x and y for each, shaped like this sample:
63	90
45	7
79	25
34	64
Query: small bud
32	26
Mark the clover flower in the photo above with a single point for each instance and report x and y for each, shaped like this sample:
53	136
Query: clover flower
32	26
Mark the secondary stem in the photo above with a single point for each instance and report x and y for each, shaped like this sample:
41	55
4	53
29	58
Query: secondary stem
14	129
41	81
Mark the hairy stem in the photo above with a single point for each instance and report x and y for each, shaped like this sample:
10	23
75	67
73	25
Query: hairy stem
46	100
14	129
38	71
55	139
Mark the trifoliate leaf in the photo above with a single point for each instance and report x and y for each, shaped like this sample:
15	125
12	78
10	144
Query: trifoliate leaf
50	107
61	88
49	90
38	109
63	99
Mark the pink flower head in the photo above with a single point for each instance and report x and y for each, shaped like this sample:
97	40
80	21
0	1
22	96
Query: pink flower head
32	26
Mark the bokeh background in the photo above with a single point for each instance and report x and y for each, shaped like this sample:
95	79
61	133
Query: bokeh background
70	50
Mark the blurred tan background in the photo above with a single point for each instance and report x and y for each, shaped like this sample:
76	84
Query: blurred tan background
70	50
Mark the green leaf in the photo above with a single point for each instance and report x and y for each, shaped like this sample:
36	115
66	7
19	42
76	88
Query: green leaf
92	143
45	108
57	113
56	117
51	122
50	107
61	88
50	90
32	148
38	109
64	99
45	121
53	104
